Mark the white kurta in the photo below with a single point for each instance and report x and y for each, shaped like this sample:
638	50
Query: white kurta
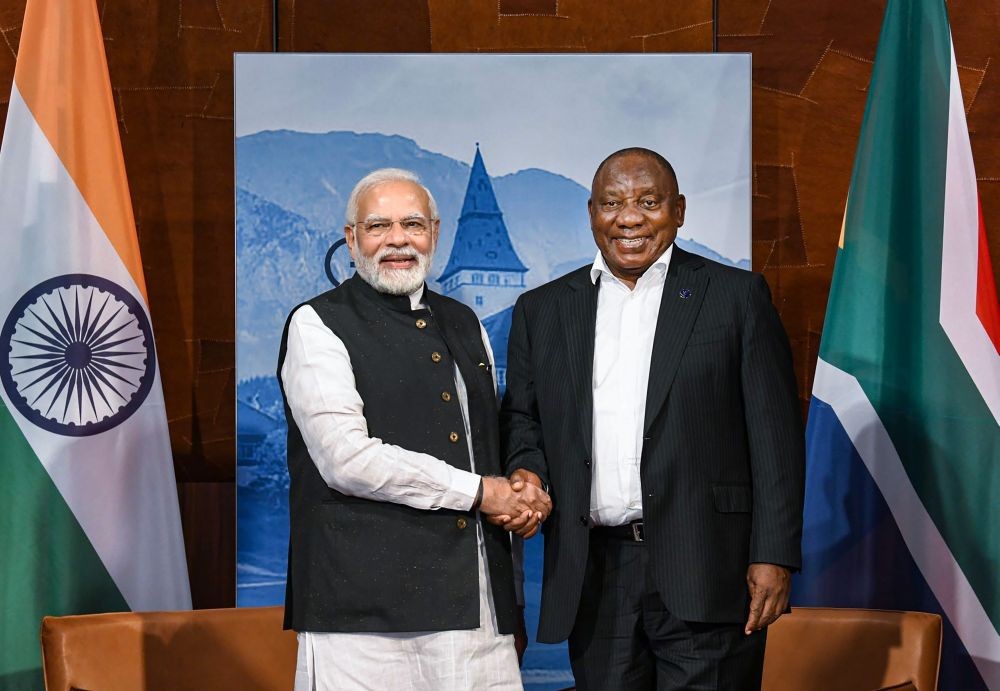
325	404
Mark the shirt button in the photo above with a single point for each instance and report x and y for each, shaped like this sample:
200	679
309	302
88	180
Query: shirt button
421	323
453	437
445	396
461	523
435	357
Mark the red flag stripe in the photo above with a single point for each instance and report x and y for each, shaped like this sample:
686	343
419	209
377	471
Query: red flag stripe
987	305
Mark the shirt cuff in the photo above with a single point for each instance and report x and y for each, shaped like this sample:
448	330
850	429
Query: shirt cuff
463	490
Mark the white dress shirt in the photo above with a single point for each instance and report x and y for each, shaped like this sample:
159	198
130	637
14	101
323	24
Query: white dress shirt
623	345
324	401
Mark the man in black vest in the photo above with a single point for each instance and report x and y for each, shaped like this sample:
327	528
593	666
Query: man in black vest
393	579
654	392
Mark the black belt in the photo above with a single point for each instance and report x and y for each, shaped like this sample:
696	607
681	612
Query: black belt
633	532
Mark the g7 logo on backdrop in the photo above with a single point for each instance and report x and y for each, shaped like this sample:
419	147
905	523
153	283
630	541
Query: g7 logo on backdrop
337	255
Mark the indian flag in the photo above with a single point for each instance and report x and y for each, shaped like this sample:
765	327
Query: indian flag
88	502
903	481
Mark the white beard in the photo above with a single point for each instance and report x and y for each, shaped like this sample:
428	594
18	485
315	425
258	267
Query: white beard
394	281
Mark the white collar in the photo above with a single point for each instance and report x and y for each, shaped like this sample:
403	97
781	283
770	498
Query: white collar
600	266
416	302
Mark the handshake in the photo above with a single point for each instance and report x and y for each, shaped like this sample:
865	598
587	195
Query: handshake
518	504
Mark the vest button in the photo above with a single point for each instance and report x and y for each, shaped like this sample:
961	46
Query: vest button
435	357
421	324
583	521
453	437
461	523
445	396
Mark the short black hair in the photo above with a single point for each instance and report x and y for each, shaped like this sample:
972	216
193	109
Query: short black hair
636	151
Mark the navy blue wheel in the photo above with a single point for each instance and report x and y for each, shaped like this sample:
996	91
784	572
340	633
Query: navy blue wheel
80	355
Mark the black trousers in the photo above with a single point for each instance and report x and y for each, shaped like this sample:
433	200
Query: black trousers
625	639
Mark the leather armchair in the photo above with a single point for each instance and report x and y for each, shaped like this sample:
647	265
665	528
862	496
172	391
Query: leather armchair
853	650
202	649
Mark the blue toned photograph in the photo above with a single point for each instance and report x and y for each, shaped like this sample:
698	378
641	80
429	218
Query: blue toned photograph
508	145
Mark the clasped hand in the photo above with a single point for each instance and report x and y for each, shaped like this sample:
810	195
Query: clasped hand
518	504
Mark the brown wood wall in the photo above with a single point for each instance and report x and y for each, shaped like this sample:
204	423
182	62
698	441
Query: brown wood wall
171	70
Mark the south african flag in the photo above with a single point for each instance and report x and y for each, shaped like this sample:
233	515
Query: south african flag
903	478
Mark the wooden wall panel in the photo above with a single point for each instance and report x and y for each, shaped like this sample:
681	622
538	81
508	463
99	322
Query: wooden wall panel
507	8
489	26
11	15
352	26
209	512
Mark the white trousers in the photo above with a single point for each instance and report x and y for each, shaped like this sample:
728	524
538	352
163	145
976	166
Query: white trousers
465	660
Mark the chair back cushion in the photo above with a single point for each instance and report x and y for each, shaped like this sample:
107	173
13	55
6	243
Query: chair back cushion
243	648
852	650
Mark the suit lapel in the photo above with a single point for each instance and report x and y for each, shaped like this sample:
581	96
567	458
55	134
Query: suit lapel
683	291
578	314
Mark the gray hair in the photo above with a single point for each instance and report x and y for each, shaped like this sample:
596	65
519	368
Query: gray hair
377	177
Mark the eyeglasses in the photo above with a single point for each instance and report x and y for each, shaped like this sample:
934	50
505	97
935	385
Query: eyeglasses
414	226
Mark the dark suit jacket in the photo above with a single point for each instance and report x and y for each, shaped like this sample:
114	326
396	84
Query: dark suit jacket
723	454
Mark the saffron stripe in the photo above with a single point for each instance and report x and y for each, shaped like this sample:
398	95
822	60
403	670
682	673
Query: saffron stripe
62	75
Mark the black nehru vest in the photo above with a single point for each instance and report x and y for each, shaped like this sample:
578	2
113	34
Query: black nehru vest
361	565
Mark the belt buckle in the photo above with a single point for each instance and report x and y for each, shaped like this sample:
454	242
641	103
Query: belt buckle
637	532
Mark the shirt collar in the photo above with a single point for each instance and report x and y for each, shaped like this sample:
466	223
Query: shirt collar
417	298
600	266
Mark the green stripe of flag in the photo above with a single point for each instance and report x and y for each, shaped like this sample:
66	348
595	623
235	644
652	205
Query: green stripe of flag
49	565
882	323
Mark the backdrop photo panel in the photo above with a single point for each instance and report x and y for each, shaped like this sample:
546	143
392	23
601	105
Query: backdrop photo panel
516	137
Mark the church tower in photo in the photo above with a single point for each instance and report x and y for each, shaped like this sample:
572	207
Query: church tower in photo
483	270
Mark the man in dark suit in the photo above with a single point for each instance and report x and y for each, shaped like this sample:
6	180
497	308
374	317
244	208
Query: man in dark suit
653	394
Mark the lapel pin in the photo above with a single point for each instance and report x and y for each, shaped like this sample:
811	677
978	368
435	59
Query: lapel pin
685	293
